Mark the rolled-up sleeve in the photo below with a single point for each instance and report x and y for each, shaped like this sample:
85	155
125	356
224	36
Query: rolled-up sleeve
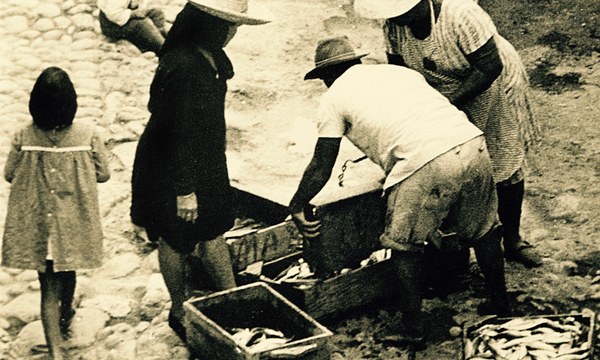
116	11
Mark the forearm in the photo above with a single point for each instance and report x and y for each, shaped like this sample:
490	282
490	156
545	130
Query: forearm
474	85
312	182
487	67
316	174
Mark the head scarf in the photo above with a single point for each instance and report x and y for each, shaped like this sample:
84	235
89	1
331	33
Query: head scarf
194	27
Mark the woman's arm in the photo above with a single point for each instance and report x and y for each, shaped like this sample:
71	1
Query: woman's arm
487	66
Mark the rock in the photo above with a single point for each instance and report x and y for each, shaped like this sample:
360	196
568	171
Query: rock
15	24
88	322
32	334
83	21
142	326
568	268
126	153
455	331
120	266
33	286
156	297
16	289
117	342
43	25
8	86
25	307
162	317
27	276
48	10
79	9
565	208
5	278
160	333
62	22
115	306
84	44
53	35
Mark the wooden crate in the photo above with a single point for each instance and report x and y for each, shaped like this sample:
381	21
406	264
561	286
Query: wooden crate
262	244
249	306
587	319
333	296
350	231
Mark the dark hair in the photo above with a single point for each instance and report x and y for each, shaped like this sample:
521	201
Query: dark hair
194	27
53	100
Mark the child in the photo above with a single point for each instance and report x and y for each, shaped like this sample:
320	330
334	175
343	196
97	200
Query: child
53	220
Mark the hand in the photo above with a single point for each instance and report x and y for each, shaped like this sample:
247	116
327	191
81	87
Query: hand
308	229
187	207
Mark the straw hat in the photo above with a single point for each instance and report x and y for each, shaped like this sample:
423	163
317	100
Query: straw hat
383	9
242	12
332	51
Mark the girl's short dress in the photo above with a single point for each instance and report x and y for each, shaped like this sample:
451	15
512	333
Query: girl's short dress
53	211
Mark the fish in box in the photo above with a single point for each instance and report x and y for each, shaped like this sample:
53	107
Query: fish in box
559	337
321	298
227	326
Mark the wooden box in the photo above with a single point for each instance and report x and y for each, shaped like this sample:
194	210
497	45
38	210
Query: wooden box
250	306
274	239
333	296
583	339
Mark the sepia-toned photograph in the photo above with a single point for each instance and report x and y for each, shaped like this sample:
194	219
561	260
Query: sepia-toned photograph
300	179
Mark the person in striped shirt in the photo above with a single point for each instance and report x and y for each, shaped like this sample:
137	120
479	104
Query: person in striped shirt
454	44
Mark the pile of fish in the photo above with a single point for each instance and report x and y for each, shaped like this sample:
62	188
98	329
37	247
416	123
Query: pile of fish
300	271
530	339
259	339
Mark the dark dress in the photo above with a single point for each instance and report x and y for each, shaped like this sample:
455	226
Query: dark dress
181	151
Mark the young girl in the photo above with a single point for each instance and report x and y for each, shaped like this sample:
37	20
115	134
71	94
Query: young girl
53	220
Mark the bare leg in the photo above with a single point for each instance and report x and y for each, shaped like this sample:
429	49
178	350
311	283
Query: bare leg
215	257
50	286
173	271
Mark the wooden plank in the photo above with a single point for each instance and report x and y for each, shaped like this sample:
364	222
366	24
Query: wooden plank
263	245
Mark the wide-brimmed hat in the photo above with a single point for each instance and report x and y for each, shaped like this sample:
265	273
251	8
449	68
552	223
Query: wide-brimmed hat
242	12
332	51
383	9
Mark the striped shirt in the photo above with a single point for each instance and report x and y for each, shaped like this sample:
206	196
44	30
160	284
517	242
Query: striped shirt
502	111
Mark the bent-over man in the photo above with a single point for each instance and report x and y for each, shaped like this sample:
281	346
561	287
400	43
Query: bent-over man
436	164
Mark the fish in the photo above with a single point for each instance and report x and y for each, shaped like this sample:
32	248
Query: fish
573	356
268	343
540	345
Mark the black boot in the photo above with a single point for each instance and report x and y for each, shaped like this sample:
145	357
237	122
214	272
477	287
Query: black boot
488	250
510	200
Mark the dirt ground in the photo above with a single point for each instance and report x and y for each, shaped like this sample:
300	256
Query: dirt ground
272	134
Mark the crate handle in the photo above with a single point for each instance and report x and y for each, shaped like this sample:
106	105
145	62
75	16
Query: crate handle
292	352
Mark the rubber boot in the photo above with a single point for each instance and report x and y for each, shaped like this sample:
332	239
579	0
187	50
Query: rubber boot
409	265
510	201
488	250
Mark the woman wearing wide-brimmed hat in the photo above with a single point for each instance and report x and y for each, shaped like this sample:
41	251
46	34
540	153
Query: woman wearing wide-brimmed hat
180	186
455	45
